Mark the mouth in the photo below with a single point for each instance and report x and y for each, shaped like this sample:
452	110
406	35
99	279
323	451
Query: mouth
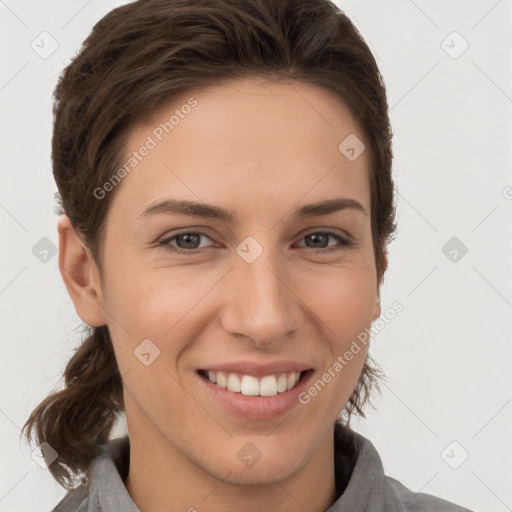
250	385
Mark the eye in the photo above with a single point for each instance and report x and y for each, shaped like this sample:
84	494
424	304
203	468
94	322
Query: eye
322	237
189	242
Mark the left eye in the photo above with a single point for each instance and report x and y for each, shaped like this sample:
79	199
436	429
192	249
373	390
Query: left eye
343	243
189	242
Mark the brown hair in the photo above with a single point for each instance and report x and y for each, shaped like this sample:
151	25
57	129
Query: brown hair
141	55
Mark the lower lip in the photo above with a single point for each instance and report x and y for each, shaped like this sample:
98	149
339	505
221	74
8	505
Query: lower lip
257	407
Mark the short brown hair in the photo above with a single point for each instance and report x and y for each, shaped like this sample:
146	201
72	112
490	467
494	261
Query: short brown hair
141	55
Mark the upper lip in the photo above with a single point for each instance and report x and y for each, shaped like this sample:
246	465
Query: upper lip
257	369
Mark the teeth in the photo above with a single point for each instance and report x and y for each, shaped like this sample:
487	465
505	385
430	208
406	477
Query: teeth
281	383
248	385
268	386
221	379
233	383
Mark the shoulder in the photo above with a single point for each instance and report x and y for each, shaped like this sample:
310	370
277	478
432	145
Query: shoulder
419	502
76	500
105	487
369	489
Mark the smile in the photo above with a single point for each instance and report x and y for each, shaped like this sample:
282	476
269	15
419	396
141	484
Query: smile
249	385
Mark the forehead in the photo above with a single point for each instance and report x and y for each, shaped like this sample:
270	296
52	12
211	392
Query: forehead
247	144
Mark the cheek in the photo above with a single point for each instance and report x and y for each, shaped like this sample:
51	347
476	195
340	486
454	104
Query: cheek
160	306
344	298
156	304
345	304
150	300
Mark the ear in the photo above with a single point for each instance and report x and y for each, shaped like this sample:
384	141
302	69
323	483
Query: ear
376	310
80	275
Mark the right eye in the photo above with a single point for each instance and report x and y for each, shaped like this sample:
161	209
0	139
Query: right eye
185	238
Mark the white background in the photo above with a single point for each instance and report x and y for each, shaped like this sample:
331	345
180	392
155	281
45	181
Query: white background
447	355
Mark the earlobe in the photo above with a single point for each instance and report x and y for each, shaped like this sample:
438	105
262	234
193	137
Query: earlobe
377	310
79	273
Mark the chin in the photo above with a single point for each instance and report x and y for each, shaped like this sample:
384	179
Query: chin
262	473
251	463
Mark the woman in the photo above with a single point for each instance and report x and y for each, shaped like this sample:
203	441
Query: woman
224	169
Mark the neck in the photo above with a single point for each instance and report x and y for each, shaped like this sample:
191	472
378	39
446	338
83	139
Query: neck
161	477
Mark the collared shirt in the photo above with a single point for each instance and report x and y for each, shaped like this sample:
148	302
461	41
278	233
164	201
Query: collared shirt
361	485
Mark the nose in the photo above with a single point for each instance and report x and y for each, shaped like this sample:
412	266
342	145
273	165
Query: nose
260	303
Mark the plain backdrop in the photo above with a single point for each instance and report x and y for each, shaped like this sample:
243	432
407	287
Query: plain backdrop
443	421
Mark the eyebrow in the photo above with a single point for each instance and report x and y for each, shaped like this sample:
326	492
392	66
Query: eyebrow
195	209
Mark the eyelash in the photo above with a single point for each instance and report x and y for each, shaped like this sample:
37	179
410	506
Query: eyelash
344	243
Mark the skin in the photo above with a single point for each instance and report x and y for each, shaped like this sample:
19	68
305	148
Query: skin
261	149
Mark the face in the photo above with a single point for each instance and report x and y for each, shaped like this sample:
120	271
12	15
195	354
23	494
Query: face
276	290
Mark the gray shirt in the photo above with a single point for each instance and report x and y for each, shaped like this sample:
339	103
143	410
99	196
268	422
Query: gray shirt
361	485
